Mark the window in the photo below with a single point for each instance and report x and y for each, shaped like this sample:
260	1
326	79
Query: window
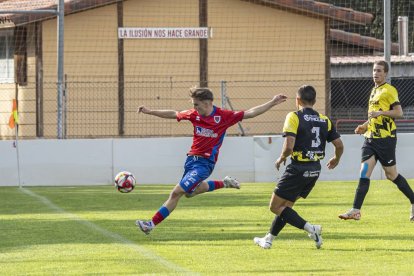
6	57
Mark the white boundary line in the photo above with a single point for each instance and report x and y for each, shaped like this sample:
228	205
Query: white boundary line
140	249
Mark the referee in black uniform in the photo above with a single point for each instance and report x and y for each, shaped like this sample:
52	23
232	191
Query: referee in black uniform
306	132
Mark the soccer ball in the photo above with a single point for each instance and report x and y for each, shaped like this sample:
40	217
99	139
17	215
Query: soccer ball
125	182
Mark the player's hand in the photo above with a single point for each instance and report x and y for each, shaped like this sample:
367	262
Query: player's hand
143	109
360	129
332	163
279	161
374	114
278	99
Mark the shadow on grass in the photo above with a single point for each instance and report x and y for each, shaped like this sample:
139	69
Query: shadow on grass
229	226
15	233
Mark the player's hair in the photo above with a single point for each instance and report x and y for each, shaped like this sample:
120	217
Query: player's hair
307	94
384	64
201	93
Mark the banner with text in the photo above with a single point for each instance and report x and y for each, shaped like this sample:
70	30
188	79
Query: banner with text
166	33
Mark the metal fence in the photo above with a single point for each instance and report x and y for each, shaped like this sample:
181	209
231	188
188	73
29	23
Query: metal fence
102	110
349	98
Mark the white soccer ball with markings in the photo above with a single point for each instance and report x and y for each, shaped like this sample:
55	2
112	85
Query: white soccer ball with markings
125	182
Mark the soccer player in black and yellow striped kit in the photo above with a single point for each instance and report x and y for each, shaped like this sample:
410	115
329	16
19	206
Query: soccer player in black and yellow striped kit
306	132
380	132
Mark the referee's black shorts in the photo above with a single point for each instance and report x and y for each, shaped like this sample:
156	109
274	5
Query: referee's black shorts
382	148
298	180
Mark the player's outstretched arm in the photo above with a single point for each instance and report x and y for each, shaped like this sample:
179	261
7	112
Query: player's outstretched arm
339	149
260	109
168	114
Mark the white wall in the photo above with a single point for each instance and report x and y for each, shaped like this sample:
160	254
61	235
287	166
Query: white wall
161	160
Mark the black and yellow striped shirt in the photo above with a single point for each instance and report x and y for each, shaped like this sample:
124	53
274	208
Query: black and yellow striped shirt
312	130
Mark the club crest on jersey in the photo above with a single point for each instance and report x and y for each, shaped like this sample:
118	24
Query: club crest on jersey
197	118
217	119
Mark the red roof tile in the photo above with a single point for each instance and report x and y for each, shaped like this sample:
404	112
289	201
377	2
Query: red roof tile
310	7
71	6
306	7
362	41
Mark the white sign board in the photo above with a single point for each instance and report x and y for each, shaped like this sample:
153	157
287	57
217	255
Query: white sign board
165	33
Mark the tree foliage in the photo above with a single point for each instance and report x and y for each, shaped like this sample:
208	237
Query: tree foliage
375	7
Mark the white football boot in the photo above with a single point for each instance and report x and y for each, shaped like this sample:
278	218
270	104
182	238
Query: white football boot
145	226
265	242
316	235
230	182
351	214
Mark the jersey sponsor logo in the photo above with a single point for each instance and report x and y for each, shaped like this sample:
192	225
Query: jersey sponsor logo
201	131
314	155
313	118
311	174
217	119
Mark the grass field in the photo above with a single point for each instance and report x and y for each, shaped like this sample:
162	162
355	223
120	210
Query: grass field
90	230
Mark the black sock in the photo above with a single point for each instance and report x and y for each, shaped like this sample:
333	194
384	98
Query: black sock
277	225
290	216
402	184
361	192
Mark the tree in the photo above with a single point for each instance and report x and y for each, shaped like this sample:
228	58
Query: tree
376	29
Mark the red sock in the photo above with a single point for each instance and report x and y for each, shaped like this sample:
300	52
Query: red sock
215	184
160	215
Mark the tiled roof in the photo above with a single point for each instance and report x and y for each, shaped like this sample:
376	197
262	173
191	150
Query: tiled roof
361	41
315	8
370	59
71	6
306	7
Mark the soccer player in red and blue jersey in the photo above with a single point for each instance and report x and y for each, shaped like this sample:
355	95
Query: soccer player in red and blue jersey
210	125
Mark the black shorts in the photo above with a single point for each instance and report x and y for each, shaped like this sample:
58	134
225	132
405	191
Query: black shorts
382	148
298	180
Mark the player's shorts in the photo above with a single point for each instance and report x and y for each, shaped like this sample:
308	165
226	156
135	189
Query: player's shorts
298	180
196	169
382	148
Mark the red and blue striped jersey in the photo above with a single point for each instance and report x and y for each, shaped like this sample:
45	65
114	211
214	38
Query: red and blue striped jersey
209	131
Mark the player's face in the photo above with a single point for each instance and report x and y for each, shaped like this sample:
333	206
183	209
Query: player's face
378	74
202	107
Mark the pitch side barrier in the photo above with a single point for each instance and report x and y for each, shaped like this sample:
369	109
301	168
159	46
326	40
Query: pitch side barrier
161	160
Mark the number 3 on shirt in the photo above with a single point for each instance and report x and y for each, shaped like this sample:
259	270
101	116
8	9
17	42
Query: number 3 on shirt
317	141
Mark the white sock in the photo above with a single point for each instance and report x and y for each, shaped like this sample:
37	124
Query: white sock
308	228
269	237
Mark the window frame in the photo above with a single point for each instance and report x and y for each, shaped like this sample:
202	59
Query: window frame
8	76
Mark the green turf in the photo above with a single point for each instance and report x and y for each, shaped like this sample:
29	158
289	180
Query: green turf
90	230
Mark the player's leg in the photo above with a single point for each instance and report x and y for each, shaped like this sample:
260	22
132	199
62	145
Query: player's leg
402	184
277	225
281	207
212	185
368	162
298	180
163	212
195	171
387	157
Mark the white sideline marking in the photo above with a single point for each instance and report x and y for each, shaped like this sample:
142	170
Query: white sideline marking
140	249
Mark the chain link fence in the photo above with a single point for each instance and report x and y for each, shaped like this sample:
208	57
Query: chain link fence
104	109
349	102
